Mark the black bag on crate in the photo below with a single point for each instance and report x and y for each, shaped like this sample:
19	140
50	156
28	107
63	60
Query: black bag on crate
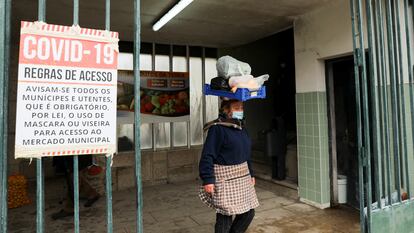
220	83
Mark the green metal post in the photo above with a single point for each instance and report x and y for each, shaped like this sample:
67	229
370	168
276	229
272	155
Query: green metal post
75	157
359	120
76	12
108	178
108	170
379	63
5	11
385	110
410	74
394	115
403	124
373	73
39	171
39	196
137	120
3	171
399	145
365	115
399	159
41	11
76	192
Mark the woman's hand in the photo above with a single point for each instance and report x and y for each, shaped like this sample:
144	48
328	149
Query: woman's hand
209	188
253	181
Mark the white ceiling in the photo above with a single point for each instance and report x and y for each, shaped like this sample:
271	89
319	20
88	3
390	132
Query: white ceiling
213	23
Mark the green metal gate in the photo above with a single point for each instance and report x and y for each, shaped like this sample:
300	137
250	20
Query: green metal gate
5	12
383	29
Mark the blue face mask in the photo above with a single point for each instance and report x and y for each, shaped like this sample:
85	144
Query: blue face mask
238	115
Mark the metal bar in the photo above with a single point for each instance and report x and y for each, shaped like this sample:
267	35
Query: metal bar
76	192
75	12
385	101
39	168
39	196
359	120
393	88
41	11
75	157
394	102
402	96
108	15
4	75
171	56
203	81
332	135
188	134
397	61
374	107
153	125
379	63
3	167
410	74
365	113
137	47
187	56
108	179
108	169
154	136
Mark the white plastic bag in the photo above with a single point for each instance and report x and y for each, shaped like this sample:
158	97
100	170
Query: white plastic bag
247	81
228	67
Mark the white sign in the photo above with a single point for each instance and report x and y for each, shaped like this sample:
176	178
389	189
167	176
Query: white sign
67	90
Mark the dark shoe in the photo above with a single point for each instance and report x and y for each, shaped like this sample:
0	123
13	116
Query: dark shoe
91	201
61	214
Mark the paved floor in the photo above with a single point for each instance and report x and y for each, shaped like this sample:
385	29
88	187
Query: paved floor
175	208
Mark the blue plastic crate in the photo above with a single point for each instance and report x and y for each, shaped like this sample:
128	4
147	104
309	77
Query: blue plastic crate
241	94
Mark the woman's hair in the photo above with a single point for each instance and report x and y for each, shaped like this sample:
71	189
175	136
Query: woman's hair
226	104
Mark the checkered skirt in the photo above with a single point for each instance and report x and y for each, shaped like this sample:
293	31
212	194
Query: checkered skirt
234	192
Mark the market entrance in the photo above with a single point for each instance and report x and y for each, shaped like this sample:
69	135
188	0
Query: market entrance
167	152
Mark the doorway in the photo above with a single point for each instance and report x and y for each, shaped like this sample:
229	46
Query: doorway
342	133
271	122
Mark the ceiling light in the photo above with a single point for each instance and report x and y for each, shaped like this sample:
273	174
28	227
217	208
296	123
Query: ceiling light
171	13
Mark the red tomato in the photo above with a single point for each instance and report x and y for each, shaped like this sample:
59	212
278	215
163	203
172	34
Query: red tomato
149	107
163	100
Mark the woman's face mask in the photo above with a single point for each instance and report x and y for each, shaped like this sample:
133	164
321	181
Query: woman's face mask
238	115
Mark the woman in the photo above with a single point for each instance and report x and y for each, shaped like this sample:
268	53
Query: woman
226	172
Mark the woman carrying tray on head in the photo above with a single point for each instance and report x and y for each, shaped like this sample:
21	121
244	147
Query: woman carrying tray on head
226	172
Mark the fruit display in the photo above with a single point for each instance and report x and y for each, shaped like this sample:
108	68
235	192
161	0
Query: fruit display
165	103
17	191
162	93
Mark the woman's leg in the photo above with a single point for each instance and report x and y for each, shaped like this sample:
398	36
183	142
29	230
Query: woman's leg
223	223
242	222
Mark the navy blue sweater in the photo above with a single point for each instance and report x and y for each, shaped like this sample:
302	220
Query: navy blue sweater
224	146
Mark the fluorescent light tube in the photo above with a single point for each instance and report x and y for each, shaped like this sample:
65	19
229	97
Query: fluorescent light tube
171	13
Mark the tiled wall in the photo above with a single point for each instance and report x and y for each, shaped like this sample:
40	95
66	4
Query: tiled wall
313	149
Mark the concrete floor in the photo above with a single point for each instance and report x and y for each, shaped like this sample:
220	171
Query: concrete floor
175	208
